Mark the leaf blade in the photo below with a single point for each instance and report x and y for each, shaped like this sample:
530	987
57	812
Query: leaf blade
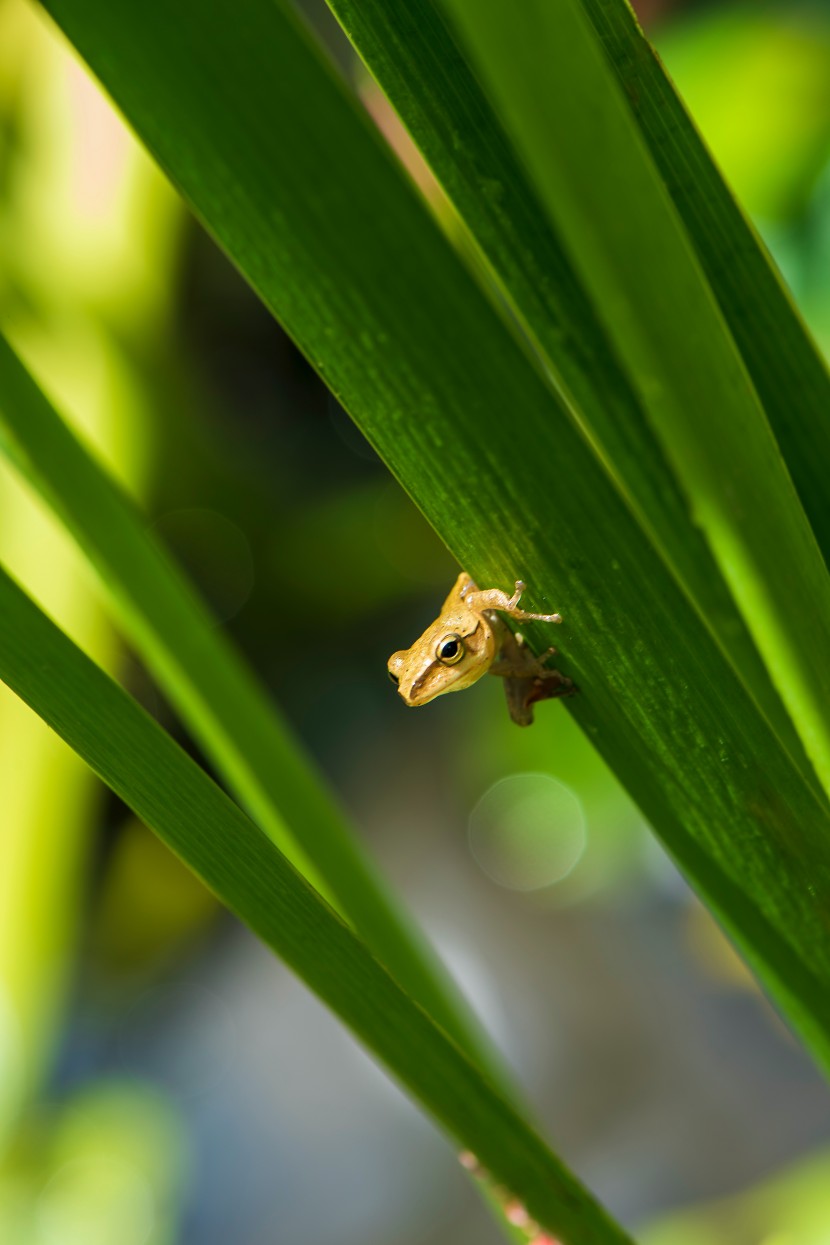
606	195
413	55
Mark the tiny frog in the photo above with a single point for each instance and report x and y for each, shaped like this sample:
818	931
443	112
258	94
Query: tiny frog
468	640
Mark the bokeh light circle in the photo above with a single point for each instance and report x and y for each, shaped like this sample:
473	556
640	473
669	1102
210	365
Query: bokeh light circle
528	832
95	1200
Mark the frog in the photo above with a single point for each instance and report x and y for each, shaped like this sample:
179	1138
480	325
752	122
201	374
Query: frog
470	639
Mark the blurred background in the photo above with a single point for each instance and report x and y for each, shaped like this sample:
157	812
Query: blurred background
162	1078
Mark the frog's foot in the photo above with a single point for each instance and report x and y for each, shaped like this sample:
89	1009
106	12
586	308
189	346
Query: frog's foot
552	684
517	595
523	693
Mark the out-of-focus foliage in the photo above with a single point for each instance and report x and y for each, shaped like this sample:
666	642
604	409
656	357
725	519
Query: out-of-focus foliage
47	823
757	82
87	228
107	1166
788	1209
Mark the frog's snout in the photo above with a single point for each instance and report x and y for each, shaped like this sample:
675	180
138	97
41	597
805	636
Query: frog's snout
394	668
409	685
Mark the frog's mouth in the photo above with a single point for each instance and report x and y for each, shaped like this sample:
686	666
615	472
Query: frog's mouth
419	691
434	680
414	690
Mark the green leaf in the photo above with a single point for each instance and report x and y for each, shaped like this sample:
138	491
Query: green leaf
168	791
414	56
608	200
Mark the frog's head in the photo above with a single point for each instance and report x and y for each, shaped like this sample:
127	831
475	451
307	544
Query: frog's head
447	658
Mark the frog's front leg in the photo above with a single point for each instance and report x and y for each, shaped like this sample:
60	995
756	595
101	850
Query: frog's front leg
495	599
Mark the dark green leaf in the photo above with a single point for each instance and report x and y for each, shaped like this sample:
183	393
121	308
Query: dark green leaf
413	55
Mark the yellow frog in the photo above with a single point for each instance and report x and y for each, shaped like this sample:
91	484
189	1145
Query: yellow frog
469	639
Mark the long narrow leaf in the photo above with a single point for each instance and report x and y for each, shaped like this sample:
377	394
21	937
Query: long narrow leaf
164	787
258	132
205	678
413	55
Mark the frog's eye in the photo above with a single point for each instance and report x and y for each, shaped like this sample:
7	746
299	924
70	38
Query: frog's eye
450	650
393	678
